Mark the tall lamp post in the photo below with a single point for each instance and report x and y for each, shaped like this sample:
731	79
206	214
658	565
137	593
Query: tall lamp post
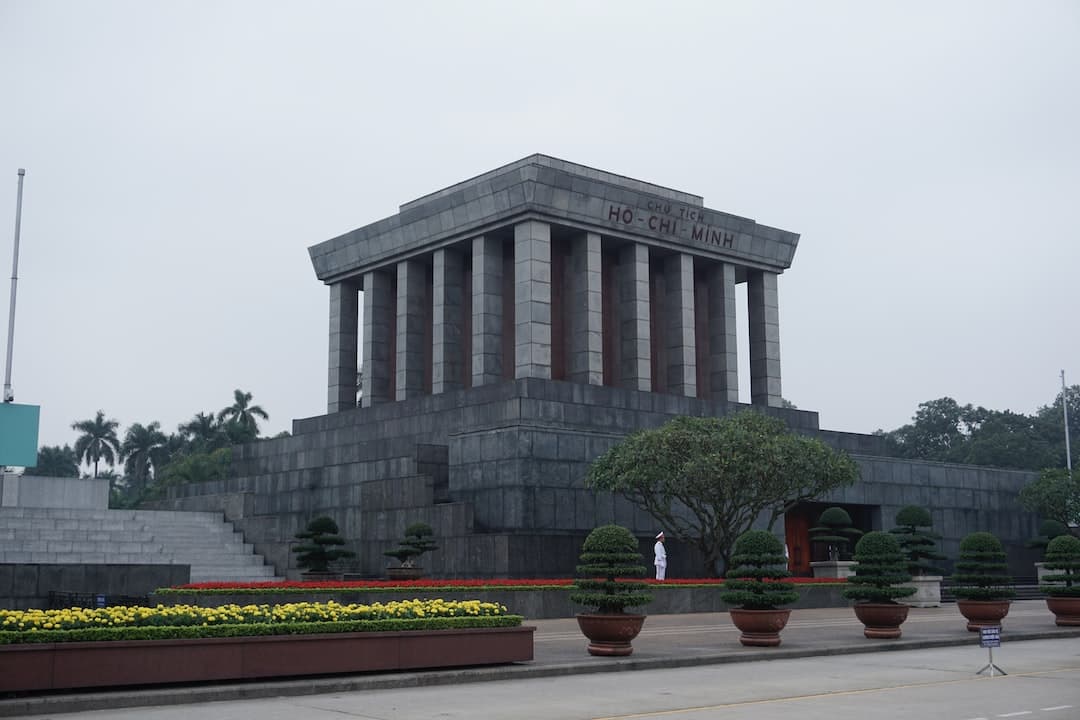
1065	411
9	394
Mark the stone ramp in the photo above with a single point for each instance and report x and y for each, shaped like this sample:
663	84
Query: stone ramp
212	547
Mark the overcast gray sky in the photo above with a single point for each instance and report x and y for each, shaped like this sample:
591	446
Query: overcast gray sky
182	156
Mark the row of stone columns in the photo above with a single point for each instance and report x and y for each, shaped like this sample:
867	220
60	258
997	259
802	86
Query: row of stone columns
395	303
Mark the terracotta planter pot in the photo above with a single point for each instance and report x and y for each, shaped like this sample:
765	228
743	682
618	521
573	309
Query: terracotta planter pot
1066	610
760	628
881	621
60	666
983	613
610	634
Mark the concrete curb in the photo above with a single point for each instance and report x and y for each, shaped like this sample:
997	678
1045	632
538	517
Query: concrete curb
186	694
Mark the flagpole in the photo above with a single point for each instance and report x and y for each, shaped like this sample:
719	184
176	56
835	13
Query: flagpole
9	395
1065	411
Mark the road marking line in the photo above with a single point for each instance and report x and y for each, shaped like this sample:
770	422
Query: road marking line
1015	714
1056	707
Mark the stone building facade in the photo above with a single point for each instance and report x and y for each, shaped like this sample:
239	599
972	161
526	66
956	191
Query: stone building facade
516	325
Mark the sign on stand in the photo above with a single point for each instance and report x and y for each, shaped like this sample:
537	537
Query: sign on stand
990	638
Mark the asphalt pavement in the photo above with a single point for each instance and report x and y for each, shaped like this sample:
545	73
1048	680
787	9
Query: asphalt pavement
666	641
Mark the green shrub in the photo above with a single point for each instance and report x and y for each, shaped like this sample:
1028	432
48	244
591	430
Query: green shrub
918	545
834	530
1063	553
981	571
880	568
419	539
757	563
321	546
610	552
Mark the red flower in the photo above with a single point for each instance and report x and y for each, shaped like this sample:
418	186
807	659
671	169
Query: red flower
449	583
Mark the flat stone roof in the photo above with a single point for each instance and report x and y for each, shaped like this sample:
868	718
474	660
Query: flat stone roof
563	193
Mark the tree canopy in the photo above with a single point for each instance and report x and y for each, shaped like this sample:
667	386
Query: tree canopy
242	416
151	458
946	431
55	461
1055	496
707	480
98	441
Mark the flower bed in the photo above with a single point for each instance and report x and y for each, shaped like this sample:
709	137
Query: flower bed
449	585
72	648
540	600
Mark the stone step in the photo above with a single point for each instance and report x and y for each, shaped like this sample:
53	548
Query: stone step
204	540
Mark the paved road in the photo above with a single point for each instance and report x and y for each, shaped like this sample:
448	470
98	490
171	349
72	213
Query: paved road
932	684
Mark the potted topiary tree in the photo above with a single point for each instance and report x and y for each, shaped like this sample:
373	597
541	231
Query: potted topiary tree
834	530
1048	530
880	570
755	584
419	539
1063	586
982	584
608	553
321	546
919	545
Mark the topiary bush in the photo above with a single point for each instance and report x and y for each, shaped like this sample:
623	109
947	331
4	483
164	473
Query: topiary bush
419	539
610	552
757	563
880	568
321	546
982	573
1063	553
834	529
918	545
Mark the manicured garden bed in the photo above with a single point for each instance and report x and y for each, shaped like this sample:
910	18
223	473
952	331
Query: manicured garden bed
533	599
78	648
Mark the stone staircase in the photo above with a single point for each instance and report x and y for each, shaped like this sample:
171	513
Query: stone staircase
212	547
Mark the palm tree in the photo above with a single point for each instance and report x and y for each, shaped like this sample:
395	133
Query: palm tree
203	432
55	461
145	450
242	415
98	441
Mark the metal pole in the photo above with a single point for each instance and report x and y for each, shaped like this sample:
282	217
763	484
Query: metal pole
1065	411
9	395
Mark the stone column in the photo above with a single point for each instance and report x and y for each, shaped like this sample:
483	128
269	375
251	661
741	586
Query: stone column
448	275
487	311
723	339
532	300
586	315
378	339
344	316
679	321
763	308
410	329
635	371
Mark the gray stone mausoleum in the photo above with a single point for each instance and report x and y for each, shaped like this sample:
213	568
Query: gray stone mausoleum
516	325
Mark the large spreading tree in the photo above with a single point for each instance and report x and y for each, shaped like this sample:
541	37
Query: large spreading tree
1055	495
707	480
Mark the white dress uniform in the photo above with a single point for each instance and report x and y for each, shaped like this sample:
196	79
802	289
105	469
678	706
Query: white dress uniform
660	557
